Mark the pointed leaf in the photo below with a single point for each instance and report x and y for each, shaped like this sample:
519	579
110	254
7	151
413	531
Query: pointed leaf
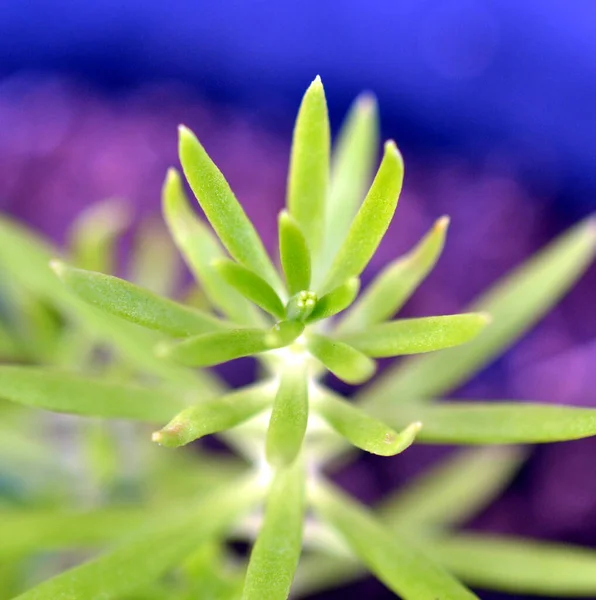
76	394
309	166
223	211
212	349
276	552
251	286
390	290
515	304
200	248
26	257
94	233
352	167
360	429
454	490
31	531
135	304
494	422
214	415
371	221
294	254
335	301
153	551
289	417
518	566
450	493
345	362
414	336
400	566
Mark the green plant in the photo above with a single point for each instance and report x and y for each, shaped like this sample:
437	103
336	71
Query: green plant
287	426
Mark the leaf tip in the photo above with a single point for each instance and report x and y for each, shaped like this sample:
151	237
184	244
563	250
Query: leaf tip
317	83
408	435
442	223
485	318
172	176
170	436
353	283
58	267
186	138
366	103
392	151
184	131
415	427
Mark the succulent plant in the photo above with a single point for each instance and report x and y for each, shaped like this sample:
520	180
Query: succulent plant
301	322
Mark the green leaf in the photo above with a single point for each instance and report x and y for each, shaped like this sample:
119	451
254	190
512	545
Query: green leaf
398	564
371	221
454	490
223	211
214	415
518	566
211	573
414	336
448	494
251	286
289	417
335	301
153	551
135	304
30	330
494	422
93	235
360	429
276	552
397	282
31	531
212	349
319	572
10	346
25	257
176	477
155	263
345	362
100	453
352	165
23	452
294	254
76	394
309	166
515	304
200	249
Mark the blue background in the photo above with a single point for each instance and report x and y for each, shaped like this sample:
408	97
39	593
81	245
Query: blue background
465	75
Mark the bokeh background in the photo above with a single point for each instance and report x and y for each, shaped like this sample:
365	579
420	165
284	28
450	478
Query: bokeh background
492	102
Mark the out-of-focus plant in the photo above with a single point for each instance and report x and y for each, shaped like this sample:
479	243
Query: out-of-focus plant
122	354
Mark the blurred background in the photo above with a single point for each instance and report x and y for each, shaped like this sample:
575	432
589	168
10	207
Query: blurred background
492	102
